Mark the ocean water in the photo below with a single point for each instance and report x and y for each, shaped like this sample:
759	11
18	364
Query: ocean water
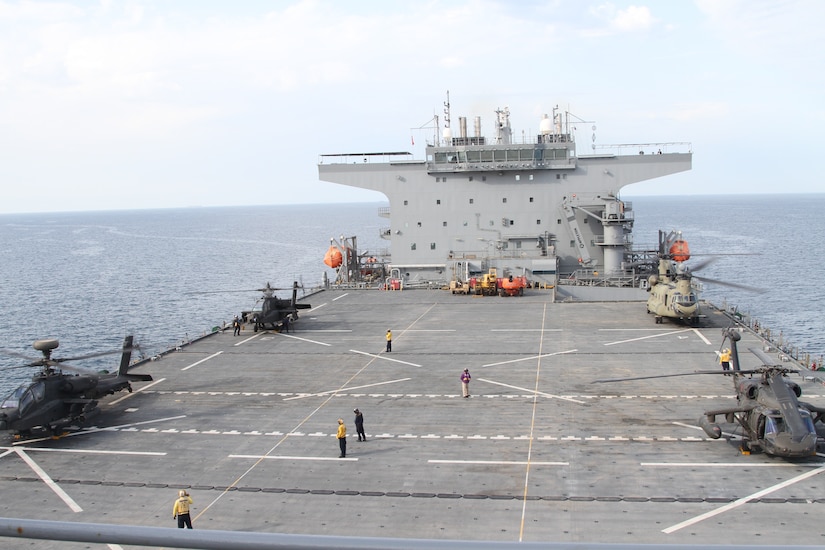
167	276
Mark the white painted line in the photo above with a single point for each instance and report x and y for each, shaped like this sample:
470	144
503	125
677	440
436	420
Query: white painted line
726	464
204	360
305	339
550	395
314	309
92	451
525	330
341	296
110	428
384	357
274	457
634	329
119	399
743	500
702	336
244	341
500	462
9	450
528	358
49	481
651	336
342	389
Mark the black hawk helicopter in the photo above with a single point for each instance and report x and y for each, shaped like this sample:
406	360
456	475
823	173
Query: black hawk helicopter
54	399
274	311
671	290
767	406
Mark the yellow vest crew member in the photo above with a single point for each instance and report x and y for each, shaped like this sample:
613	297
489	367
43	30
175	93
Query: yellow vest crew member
389	340
724	358
181	510
342	438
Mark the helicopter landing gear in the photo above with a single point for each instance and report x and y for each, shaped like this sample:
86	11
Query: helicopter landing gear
659	319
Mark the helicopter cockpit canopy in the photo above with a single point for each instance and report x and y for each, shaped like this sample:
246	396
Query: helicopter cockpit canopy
684	299
23	397
775	424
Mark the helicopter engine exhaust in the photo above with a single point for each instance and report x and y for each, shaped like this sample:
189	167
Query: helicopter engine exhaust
709	425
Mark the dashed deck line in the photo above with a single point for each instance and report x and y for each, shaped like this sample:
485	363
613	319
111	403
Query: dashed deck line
439	395
429	436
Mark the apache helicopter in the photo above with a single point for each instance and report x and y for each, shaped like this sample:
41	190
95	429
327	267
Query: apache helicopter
54	399
273	310
671	289
767	407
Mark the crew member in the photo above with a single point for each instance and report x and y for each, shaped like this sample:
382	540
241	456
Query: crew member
342	438
181	510
724	358
359	425
389	340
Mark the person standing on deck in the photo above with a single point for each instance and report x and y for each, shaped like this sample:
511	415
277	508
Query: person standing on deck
724	358
389	340
465	382
359	425
180	510
342	438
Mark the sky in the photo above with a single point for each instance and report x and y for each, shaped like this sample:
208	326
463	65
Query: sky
163	104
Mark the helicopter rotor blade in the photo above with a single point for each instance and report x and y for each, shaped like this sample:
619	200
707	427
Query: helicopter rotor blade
703	264
603	380
731	285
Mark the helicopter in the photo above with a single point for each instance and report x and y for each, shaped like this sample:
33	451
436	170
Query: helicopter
54	400
767	407
672	292
273	310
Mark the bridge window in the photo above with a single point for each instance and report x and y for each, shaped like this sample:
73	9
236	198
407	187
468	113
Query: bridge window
438	201
444	224
471	201
412	246
432	246
538	222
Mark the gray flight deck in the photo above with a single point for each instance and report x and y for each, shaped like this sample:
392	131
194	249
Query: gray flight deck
537	453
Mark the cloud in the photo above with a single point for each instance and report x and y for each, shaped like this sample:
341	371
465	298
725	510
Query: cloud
631	19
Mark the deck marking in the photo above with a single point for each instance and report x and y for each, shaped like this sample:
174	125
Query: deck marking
534	393
109	428
384	357
727	464
94	430
702	336
206	358
528	358
650	336
119	399
526	330
500	462
277	457
314	309
49	481
245	340
341	296
92	451
533	409
305	339
743	500
352	388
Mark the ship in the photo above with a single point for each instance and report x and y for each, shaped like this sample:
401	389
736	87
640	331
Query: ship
534	208
536	456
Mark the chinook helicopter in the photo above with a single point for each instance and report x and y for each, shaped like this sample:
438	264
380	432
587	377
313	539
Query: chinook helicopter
54	399
767	407
274	311
671	290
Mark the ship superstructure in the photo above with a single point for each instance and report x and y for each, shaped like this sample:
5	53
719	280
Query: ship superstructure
535	208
